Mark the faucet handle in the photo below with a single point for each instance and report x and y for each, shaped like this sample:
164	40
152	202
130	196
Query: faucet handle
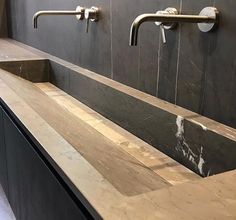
167	26
91	14
162	26
163	33
87	25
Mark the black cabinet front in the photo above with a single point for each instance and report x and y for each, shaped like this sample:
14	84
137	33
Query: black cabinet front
3	162
34	192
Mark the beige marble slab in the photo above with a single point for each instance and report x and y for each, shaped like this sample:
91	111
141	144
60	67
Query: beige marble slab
124	171
161	164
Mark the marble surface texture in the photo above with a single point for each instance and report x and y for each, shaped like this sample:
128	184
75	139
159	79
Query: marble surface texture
210	198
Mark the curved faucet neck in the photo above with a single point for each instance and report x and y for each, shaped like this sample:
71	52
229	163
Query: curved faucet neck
43	13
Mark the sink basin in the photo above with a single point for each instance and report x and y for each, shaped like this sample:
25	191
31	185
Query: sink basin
200	144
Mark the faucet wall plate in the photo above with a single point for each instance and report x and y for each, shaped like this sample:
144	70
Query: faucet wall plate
82	10
209	12
167	11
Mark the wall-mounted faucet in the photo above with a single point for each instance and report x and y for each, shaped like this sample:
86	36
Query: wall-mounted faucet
79	12
206	20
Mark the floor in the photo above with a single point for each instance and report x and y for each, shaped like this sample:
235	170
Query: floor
5	209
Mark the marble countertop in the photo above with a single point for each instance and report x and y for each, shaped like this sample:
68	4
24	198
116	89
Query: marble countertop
210	198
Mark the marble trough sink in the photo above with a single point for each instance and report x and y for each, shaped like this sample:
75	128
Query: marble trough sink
201	144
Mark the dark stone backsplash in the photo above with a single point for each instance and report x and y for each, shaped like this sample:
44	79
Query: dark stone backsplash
3	19
194	70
